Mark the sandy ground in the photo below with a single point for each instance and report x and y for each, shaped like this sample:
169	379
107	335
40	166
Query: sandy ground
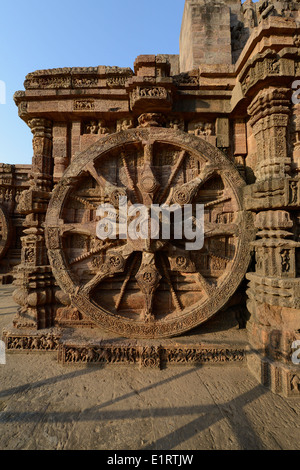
47	406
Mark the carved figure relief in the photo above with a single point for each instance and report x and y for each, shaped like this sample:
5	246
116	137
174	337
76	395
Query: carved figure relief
249	15
124	124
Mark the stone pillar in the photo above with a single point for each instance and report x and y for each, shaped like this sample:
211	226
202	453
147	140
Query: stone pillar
33	277
240	149
75	138
274	288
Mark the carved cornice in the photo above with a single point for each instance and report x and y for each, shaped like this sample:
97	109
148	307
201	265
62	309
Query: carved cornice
262	37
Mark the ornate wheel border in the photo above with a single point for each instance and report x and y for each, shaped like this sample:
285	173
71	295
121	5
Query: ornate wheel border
191	317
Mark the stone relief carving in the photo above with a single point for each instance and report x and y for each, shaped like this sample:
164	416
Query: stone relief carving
84	105
183	175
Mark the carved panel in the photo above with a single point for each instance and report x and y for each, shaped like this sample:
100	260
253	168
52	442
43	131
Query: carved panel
42	342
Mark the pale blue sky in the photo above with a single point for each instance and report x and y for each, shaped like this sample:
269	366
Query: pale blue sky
63	33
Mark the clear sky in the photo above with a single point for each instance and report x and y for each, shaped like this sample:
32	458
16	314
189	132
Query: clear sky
63	33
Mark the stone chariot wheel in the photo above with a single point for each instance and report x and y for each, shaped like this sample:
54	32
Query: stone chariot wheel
149	288
4	232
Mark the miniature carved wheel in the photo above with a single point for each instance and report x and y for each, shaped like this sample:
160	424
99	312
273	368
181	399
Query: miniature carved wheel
151	287
4	232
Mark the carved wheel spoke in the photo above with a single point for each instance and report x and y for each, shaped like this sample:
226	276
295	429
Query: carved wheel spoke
150	286
126	280
175	170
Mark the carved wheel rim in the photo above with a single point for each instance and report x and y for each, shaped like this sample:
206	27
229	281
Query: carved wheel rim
149	289
4	232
